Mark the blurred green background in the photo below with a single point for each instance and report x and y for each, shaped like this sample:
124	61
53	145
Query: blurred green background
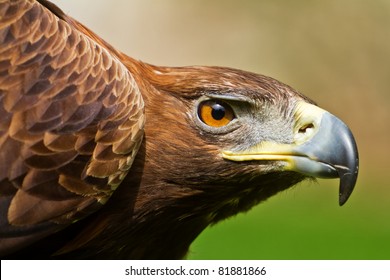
337	52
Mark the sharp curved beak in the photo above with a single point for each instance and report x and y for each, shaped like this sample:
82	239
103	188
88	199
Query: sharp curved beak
323	147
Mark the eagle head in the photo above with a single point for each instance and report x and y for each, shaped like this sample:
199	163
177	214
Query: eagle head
219	141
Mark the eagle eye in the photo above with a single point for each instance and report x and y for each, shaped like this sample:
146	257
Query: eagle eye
215	113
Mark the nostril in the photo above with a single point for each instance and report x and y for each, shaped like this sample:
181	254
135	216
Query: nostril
306	128
304	133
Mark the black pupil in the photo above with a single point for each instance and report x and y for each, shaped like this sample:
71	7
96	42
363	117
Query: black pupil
218	112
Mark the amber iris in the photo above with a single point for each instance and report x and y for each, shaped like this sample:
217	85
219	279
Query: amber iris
215	113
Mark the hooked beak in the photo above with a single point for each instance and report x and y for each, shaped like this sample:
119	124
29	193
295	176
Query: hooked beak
323	147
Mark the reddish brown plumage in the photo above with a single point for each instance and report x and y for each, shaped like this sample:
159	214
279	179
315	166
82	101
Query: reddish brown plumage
62	95
72	120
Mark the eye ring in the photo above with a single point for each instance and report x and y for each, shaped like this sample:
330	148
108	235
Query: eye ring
215	113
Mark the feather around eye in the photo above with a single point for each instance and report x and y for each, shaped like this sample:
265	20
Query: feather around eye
215	113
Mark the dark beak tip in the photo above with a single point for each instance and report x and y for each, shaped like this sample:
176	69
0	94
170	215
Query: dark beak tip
347	185
343	198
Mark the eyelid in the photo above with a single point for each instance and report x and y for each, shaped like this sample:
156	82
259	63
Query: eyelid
227	97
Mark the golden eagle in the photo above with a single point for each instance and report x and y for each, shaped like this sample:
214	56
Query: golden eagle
104	156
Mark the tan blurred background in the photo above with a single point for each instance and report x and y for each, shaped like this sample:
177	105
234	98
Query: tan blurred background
337	52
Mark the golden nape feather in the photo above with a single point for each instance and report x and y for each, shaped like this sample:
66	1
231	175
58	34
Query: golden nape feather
103	156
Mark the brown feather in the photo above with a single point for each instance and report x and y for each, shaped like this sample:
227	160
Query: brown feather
26	209
58	88
59	143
